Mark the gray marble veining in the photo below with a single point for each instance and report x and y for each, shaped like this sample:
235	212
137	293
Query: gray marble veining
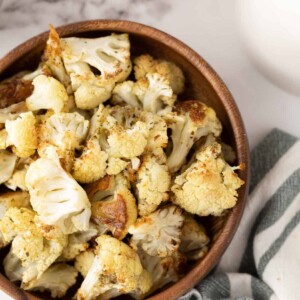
19	13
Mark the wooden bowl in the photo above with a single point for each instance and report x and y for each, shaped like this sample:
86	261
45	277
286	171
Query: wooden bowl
202	83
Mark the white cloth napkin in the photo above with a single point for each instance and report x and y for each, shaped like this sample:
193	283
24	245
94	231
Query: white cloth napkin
263	260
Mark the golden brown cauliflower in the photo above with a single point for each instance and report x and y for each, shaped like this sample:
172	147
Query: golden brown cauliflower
159	233
209	185
91	165
190	121
84	261
22	134
116	270
35	252
117	212
145	64
48	93
153	184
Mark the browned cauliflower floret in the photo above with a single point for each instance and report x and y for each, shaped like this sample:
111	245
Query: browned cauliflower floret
116	270
57	280
128	143
145	64
158	233
109	55
153	184
48	93
117	212
91	165
152	93
158	138
64	131
194	240
163	270
115	165
3	139
35	253
190	121
7	165
22	134
209	185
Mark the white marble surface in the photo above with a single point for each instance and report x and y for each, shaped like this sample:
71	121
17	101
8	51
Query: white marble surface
205	25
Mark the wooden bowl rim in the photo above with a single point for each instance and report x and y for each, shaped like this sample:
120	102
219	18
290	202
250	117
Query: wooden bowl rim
203	267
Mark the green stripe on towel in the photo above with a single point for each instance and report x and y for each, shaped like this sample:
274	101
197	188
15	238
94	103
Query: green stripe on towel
278	243
267	153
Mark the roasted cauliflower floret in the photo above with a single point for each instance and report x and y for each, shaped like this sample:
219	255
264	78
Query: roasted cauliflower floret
7	164
128	143
8	200
194	240
124	92
209	185
163	270
91	165
84	261
190	121
57	198
159	233
48	93
53	60
17	180
109	55
66	132
153	184
115	166
22	134
35	253
57	280
145	64
116	270
153	93
117	212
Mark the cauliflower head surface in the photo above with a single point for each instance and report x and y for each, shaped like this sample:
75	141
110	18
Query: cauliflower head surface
153	184
209	186
158	234
48	93
117	212
190	121
22	134
145	64
91	165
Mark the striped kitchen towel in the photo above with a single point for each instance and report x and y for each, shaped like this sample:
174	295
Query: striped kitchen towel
263	259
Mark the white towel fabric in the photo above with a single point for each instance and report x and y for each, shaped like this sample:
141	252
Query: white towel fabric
263	259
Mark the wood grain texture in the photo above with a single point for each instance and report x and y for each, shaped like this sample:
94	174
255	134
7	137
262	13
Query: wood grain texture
202	83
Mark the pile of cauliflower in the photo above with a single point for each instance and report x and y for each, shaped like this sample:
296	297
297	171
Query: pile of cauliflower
103	174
